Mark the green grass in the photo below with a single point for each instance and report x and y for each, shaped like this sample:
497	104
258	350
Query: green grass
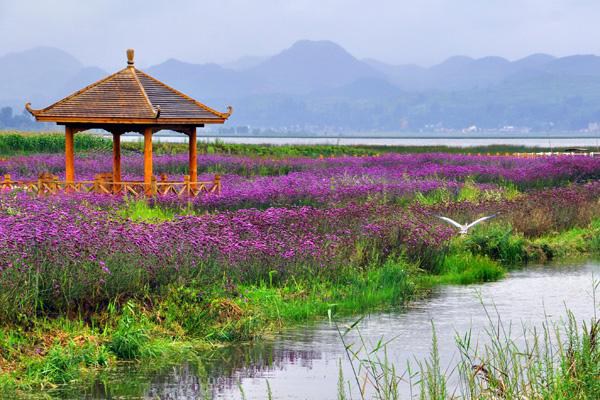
469	191
552	361
315	150
498	242
436	196
18	142
575	242
353	293
15	143
464	269
63	364
567	244
140	211
189	317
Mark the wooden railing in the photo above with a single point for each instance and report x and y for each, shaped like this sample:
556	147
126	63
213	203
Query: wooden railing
50	184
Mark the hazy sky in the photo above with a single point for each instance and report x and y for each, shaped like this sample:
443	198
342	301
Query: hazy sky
395	31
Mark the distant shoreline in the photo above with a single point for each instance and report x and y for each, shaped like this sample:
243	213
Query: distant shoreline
392	137
541	136
546	141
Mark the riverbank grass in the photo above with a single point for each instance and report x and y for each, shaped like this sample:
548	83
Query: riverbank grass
60	350
558	360
466	268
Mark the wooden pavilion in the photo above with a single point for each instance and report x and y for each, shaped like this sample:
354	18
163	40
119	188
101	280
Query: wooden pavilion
132	101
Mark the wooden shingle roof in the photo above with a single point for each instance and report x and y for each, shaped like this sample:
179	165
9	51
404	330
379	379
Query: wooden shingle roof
129	96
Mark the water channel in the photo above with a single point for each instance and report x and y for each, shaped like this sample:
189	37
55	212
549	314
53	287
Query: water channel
303	362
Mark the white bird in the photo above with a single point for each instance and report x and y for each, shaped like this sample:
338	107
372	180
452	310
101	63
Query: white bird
464	229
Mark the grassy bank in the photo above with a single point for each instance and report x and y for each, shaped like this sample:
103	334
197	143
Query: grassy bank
192	317
184	320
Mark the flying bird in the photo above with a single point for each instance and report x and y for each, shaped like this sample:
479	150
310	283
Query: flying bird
464	229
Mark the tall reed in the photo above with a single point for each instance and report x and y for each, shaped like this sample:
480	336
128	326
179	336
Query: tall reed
557	360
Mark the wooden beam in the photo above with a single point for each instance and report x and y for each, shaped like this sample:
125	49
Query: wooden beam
69	154
193	157
126	128
148	160
142	121
116	162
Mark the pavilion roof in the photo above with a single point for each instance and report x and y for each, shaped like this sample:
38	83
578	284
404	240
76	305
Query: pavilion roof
129	96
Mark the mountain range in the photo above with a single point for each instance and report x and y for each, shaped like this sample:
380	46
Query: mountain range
319	85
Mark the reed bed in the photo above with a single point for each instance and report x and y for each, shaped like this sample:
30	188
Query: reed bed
558	360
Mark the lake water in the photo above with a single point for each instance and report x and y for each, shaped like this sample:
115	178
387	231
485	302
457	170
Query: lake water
303	362
459	140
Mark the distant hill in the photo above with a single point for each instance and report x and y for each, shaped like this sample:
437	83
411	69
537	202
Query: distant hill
204	81
304	67
308	66
38	75
318	83
244	63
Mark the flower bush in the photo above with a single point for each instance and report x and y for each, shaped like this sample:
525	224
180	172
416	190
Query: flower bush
298	216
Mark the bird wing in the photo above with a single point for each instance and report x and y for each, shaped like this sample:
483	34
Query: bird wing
472	224
450	221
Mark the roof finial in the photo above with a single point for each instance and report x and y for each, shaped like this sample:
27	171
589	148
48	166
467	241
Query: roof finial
130	57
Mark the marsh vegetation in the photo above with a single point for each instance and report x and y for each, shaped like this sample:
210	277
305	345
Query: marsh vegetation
298	234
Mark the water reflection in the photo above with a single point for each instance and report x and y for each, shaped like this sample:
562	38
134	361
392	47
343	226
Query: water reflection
304	362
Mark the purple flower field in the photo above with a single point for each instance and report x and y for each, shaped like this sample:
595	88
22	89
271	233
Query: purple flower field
263	182
294	216
385	166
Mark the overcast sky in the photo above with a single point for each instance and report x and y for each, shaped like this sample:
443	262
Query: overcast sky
395	31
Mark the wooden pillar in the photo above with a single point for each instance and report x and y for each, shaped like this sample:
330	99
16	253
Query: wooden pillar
193	157
148	160
116	162
69	154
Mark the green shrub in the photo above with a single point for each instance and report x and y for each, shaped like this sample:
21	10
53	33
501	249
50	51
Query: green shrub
437	196
187	307
130	338
393	275
497	242
63	364
140	211
469	191
594	236
466	268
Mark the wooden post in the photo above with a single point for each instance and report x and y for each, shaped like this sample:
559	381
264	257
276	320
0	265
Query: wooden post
193	157
69	155
217	183
97	184
153	186
116	162
148	160
40	185
7	181
186	184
